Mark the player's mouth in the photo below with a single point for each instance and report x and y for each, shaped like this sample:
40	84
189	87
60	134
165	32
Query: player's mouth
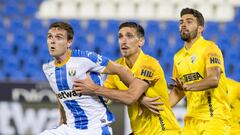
52	49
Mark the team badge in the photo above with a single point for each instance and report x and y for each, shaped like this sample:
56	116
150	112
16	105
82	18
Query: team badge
193	58
72	72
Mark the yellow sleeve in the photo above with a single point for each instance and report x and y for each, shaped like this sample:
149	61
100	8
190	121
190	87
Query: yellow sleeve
174	72
109	82
151	71
213	57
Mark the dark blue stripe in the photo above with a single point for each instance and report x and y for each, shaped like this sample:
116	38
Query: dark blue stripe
61	78
105	131
96	79
96	58
110	116
80	118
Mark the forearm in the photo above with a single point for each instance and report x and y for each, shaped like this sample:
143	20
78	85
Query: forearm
205	84
175	96
125	97
123	73
63	119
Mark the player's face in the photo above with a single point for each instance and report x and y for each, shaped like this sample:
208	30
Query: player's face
57	41
129	42
188	27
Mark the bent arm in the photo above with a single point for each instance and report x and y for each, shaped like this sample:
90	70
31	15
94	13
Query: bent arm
136	89
211	81
175	96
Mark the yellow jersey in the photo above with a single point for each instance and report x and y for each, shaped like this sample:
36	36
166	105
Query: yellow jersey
147	68
190	66
234	100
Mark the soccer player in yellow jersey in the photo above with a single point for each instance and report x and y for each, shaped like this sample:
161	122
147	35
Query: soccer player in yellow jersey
199	75
234	100
146	68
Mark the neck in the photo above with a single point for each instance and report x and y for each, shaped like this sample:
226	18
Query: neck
130	60
188	44
62	58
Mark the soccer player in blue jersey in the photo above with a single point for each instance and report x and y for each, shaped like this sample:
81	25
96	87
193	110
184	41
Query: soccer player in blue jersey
80	114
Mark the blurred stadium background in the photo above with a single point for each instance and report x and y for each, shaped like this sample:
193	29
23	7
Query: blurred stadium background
26	103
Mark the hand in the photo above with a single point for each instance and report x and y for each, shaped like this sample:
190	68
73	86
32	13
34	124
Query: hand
85	86
187	87
152	104
178	83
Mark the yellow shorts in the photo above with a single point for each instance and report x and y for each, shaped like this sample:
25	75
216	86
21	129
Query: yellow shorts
194	126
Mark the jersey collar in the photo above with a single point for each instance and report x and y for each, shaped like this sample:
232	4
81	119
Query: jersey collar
193	47
65	61
137	62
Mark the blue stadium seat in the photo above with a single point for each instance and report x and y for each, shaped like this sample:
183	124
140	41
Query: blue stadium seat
112	26
11	64
17	76
211	29
36	26
152	28
15	24
93	26
30	8
11	9
172	28
3	36
31	66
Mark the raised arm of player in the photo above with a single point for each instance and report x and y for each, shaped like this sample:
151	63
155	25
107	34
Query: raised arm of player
136	86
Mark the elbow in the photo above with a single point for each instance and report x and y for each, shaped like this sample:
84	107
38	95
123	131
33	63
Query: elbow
215	82
131	99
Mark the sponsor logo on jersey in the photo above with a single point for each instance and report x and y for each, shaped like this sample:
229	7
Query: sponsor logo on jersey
99	59
68	94
192	77
214	60
146	73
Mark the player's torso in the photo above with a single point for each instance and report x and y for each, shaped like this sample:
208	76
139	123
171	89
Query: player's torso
234	100
191	67
82	111
147	122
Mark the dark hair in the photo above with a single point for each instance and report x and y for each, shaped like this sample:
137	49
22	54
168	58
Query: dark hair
64	26
139	28
195	13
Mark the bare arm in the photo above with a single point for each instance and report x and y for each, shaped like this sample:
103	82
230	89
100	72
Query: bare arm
211	81
175	96
63	119
136	86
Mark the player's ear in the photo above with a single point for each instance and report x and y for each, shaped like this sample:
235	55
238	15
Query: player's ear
200	29
141	42
69	43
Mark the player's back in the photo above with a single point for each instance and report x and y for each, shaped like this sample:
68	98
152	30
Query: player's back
82	111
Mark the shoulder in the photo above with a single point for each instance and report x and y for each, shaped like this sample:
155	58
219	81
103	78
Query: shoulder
210	45
178	54
151	61
120	60
81	53
48	65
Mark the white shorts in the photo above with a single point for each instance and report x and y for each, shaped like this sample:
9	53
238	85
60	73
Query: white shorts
65	130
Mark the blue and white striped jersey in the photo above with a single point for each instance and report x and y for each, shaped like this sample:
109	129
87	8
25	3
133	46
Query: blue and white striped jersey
82	111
